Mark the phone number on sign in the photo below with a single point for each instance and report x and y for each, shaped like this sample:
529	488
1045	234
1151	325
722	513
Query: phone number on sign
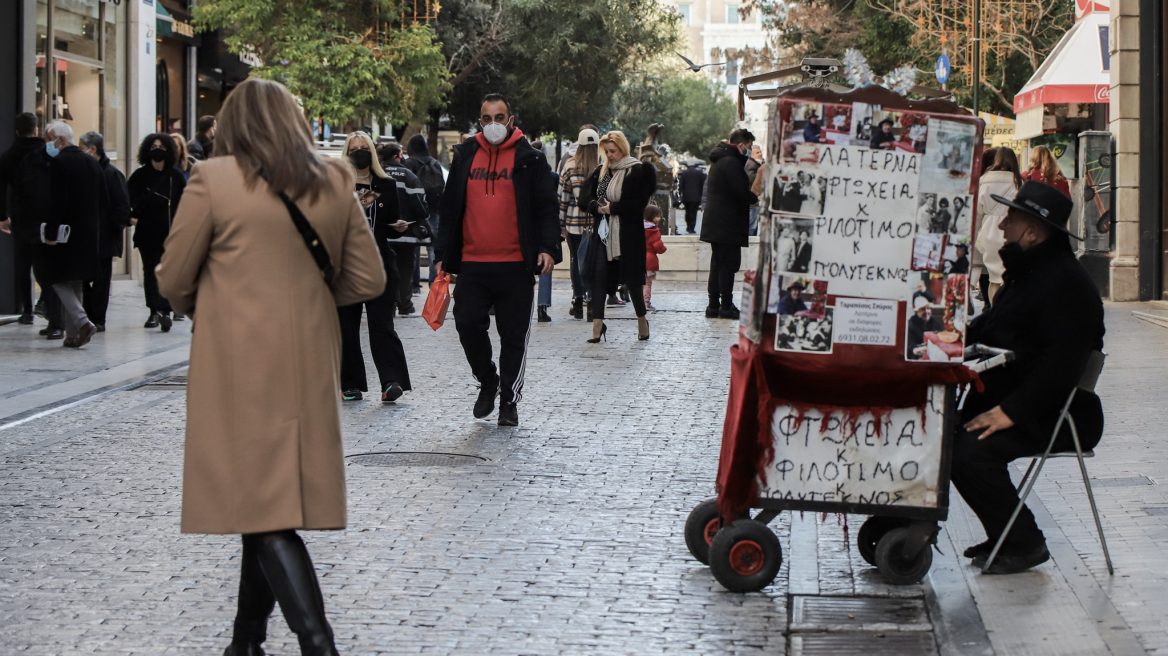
878	340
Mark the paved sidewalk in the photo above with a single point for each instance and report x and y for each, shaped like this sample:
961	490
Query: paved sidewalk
565	538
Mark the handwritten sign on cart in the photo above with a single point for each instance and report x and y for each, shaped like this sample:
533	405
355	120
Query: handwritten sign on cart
891	460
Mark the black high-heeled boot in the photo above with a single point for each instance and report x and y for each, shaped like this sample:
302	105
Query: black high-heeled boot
289	572
256	603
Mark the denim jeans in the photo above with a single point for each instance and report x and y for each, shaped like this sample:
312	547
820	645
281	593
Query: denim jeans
430	247
754	221
578	288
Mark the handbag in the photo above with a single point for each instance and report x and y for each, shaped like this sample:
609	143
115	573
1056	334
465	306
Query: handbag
586	251
437	301
311	239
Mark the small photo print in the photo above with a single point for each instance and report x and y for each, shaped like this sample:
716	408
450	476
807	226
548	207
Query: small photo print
941	213
903	131
798	190
928	252
948	157
797	296
804	334
935	329
862	126
793	240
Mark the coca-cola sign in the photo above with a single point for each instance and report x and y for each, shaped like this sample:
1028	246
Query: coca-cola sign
1084	7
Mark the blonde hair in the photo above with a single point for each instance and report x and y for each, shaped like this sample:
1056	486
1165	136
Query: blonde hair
264	129
1043	160
618	139
184	160
376	165
586	160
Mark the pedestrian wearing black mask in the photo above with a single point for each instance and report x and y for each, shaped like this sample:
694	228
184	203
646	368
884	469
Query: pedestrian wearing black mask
155	191
378	195
112	227
726	223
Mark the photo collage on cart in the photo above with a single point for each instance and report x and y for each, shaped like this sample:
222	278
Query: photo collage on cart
874	208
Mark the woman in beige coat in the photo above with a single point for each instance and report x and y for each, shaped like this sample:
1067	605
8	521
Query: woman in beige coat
263	445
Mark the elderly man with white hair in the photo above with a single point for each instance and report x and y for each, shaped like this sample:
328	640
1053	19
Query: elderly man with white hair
71	228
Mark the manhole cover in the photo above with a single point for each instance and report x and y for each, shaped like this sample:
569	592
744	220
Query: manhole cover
414	459
917	643
1123	481
167	383
858	614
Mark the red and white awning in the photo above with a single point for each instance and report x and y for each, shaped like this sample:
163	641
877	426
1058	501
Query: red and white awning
1077	70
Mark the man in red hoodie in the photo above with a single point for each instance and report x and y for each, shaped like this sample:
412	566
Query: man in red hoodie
498	229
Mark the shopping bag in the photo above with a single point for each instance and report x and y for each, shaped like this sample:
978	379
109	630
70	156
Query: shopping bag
586	253
434	312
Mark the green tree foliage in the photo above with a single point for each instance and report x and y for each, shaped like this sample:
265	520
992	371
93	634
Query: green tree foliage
560	61
343	59
693	108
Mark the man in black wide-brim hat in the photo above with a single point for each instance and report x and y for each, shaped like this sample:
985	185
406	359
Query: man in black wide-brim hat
1049	313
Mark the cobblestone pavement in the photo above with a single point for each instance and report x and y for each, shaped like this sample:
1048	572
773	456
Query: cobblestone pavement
565	539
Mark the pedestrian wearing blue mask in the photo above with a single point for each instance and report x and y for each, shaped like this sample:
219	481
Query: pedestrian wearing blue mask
78	199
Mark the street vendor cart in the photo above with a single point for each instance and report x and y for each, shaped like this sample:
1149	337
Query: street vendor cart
844	383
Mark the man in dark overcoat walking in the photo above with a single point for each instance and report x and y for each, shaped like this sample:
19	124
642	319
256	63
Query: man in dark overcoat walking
112	229
72	229
726	222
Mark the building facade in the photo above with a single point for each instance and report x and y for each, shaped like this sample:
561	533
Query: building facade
1138	101
719	32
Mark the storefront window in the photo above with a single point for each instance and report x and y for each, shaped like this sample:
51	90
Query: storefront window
42	31
75	27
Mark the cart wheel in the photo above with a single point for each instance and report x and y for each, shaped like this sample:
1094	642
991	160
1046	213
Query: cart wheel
892	564
700	527
870	533
745	556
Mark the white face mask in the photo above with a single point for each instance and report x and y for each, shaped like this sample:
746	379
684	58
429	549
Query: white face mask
495	133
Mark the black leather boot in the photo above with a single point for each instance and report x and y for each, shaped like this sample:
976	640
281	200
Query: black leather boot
292	579
256	602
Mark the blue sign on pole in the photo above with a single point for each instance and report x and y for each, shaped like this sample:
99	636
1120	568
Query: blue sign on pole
943	69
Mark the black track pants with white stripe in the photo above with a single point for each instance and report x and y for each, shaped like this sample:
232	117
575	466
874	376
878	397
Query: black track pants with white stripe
509	287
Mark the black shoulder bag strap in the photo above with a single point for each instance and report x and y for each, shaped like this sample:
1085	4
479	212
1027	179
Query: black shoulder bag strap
311	239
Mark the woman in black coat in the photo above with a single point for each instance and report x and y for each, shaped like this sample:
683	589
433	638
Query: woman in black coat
616	195
155	190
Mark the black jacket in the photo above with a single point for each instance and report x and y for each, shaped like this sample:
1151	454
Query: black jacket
419	158
410	194
24	187
690	184
116	218
1049	313
150	190
728	199
200	147
80	200
639	185
917	327
537	206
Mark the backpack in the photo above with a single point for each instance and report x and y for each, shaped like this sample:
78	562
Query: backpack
430	175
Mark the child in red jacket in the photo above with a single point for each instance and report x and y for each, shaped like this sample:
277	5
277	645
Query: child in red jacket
653	247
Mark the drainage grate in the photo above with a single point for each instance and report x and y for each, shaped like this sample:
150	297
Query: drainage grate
169	383
864	644
1125	481
858	614
414	459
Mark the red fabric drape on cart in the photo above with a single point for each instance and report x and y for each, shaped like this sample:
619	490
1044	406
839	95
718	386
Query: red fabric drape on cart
761	382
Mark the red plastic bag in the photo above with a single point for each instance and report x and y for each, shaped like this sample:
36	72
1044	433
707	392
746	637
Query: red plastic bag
434	312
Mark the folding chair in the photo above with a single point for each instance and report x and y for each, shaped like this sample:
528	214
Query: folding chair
1087	384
